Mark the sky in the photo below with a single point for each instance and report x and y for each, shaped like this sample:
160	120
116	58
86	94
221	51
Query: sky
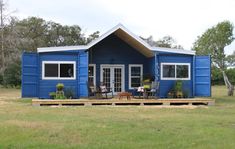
184	20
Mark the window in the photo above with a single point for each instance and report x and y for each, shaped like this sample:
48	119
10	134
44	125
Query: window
58	70
51	70
135	75
175	71
92	74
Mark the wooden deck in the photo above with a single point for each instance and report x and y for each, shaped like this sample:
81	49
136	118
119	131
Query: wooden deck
116	102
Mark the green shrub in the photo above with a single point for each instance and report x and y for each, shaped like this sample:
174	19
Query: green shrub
69	93
178	85
52	95
231	75
217	76
60	95
12	74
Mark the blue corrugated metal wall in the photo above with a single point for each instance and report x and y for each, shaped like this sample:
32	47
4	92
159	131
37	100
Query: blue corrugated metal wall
167	85
47	86
29	75
202	76
83	74
113	50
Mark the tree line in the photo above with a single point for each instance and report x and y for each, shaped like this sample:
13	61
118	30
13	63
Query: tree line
29	34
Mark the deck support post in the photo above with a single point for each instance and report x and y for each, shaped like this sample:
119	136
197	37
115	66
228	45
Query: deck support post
87	104
166	103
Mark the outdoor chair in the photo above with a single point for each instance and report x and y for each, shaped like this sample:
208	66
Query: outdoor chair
139	91
103	89
154	89
93	91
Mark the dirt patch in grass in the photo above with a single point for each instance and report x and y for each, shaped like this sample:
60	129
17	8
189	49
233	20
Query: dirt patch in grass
2	102
7	93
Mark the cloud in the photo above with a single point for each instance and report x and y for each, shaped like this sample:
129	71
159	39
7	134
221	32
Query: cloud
182	19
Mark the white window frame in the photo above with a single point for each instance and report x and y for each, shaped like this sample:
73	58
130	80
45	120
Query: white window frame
58	62
129	72
94	75
175	78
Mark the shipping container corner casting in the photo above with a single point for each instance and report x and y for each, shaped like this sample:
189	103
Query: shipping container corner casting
118	58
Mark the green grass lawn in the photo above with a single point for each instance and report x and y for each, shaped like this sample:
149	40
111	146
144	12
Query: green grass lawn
24	126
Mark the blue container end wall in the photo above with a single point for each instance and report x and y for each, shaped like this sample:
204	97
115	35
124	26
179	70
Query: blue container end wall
34	86
29	75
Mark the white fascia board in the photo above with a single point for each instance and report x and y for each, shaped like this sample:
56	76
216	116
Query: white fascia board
115	28
61	48
170	50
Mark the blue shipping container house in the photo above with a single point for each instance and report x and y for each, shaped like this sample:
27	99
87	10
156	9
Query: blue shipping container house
119	59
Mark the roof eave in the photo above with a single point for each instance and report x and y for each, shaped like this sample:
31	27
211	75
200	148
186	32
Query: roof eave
171	50
61	48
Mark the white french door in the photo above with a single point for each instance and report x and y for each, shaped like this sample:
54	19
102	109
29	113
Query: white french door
113	76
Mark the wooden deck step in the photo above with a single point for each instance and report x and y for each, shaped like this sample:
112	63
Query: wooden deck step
116	102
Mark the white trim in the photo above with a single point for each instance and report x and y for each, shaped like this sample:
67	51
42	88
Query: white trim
129	73
171	50
94	75
61	48
111	66
175	64
58	62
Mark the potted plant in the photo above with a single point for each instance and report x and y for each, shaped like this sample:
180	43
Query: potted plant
178	89
147	79
60	87
171	94
60	91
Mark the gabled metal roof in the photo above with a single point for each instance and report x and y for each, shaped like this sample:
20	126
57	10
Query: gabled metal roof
127	36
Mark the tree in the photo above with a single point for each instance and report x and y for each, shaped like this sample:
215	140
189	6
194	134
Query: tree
166	41
231	59
2	25
213	42
92	37
35	32
31	33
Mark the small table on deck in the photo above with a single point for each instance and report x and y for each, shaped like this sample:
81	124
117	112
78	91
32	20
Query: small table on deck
125	94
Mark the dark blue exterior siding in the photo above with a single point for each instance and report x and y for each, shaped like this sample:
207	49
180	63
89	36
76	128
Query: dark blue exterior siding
113	50
166	85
